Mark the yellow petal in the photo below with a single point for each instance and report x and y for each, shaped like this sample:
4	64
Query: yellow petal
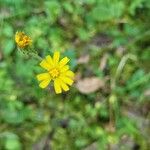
66	80
49	60
43	76
56	57
64	69
64	61
44	64
63	85
44	83
69	73
57	86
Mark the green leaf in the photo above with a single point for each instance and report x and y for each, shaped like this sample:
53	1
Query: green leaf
68	7
8	30
89	1
15	113
135	4
105	11
83	34
12	142
8	46
53	10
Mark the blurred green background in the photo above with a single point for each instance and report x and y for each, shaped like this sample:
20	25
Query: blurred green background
108	43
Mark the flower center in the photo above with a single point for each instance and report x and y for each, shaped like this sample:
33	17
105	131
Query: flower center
54	73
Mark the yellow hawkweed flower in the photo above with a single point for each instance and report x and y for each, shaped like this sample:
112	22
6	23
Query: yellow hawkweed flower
22	39
58	71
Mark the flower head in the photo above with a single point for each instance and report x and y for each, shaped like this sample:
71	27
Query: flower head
57	71
22	39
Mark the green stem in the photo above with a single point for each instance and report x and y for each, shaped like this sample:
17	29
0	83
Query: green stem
36	56
32	53
113	101
120	68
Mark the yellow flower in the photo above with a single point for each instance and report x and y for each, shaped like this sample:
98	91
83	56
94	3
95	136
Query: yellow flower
57	71
22	39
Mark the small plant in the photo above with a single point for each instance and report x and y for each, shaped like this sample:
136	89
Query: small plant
57	70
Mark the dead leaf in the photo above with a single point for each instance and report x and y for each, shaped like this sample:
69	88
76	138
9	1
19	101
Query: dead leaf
147	92
93	146
110	127
77	76
89	85
103	62
83	59
120	50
